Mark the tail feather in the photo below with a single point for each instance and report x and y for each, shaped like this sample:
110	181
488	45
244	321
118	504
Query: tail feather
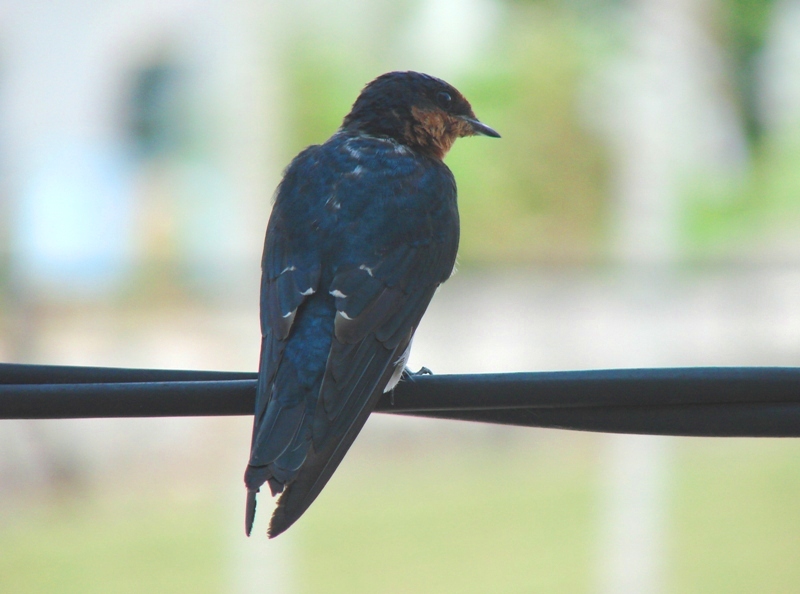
275	486
250	511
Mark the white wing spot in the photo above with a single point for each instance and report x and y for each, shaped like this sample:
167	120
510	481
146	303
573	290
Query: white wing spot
288	315
355	153
366	268
289	269
339	295
308	291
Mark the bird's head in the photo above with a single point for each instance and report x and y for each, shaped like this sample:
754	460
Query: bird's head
417	110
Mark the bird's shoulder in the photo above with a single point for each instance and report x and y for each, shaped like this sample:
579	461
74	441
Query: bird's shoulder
357	192
361	167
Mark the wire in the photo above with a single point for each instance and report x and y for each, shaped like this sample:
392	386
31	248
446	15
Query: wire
709	401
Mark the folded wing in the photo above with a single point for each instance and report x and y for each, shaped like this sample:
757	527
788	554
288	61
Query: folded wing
379	305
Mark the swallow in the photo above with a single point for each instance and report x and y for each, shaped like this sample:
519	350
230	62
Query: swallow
363	230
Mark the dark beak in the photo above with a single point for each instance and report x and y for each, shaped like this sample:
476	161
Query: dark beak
481	129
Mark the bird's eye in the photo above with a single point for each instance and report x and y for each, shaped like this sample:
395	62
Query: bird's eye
444	100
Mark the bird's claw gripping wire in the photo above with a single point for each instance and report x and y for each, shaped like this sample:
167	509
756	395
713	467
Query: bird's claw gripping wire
409	375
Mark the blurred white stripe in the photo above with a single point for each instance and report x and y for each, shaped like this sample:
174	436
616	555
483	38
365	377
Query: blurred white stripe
634	476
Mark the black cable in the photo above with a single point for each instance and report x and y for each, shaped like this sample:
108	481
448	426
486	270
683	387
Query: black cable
735	401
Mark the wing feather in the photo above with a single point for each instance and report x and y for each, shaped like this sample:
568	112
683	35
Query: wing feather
277	448
323	460
407	316
364	353
280	424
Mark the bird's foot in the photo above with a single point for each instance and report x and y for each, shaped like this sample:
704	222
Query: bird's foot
408	374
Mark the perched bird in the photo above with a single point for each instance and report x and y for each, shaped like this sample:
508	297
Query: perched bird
363	230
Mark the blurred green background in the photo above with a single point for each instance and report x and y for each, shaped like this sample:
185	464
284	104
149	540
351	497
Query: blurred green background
422	522
642	209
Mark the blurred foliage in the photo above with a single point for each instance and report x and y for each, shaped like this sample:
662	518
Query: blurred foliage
322	87
756	217
541	192
745	24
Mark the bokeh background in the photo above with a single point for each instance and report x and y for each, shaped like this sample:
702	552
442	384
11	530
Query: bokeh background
641	209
